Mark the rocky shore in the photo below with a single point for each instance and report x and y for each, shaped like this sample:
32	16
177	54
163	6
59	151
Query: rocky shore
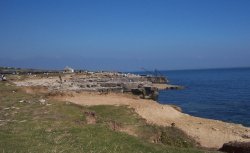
106	88
103	82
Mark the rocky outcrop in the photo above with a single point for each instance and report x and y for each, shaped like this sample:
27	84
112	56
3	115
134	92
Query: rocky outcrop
236	147
146	92
103	82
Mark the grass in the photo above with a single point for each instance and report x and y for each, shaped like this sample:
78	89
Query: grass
29	125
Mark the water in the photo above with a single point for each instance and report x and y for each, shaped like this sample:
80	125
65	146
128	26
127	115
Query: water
222	94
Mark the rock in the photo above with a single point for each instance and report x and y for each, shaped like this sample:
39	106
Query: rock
42	101
2	124
3	78
146	92
173	124
136	91
246	136
21	101
236	147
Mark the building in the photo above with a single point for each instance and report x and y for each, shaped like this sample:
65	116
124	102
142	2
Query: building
68	69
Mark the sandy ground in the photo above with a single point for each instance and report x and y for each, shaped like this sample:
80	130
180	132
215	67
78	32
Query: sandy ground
209	133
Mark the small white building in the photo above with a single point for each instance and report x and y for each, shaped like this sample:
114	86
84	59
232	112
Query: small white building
68	69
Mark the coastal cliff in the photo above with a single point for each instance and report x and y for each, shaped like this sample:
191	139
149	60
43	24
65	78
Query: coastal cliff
208	133
91	90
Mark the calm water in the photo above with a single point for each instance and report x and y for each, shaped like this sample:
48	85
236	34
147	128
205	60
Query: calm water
222	94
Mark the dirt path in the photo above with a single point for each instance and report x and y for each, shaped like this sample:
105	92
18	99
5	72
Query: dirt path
209	133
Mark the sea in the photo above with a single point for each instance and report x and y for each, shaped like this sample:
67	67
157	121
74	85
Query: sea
221	94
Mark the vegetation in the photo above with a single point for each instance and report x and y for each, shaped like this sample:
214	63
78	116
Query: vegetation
32	123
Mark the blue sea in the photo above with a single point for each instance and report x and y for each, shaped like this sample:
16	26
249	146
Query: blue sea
221	94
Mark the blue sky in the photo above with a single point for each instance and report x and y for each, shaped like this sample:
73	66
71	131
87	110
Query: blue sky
125	35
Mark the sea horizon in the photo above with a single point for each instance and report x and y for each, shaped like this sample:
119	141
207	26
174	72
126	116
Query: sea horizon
128	71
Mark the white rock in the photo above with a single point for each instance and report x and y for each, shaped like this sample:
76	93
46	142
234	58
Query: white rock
42	101
21	101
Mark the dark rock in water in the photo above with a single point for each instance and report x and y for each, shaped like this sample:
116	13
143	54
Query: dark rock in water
236	147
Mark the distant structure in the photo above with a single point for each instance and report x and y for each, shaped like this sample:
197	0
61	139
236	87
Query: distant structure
68	69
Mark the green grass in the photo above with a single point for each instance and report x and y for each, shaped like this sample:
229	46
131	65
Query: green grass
30	126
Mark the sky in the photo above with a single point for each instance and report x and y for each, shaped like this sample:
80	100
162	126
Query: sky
125	35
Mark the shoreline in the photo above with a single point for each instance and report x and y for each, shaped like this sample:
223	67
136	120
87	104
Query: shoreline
208	133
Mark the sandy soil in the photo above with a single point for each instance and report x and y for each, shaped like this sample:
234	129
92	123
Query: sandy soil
209	133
